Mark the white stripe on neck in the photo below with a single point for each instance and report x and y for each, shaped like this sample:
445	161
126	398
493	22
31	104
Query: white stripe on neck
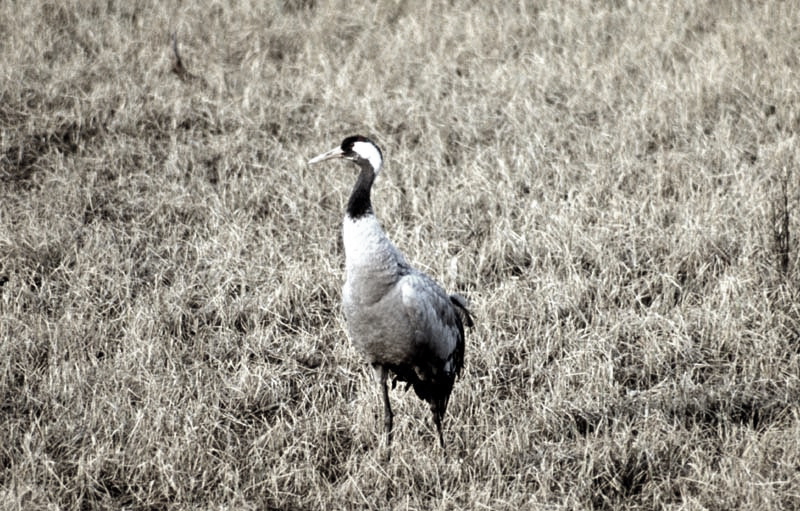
370	153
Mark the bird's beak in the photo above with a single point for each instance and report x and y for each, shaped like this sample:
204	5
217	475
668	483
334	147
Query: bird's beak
333	153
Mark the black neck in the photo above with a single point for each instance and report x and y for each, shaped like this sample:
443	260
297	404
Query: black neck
360	204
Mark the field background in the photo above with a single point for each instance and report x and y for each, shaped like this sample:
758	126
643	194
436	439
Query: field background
613	184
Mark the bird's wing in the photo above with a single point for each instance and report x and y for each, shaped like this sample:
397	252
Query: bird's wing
437	326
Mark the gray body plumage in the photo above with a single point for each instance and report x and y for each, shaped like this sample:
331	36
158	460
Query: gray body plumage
399	319
396	315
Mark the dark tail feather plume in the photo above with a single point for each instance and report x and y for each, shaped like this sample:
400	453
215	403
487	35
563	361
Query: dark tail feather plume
462	307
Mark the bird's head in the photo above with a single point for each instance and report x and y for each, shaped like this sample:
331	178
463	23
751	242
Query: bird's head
355	148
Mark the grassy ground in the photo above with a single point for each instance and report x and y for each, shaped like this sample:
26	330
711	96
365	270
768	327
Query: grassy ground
613	184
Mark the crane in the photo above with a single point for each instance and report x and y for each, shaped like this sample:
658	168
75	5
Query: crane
399	319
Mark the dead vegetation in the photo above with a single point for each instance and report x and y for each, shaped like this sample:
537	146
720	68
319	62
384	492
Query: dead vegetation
612	184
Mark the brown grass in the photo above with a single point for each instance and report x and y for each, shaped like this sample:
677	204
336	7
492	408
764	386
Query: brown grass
612	184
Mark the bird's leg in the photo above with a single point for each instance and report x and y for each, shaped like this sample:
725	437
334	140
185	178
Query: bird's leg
381	374
437	419
388	416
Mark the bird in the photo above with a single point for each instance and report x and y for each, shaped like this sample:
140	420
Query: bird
398	318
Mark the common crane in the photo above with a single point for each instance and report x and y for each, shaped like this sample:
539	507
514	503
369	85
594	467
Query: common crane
399	319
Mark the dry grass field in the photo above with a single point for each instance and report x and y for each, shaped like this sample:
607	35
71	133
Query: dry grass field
613	184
